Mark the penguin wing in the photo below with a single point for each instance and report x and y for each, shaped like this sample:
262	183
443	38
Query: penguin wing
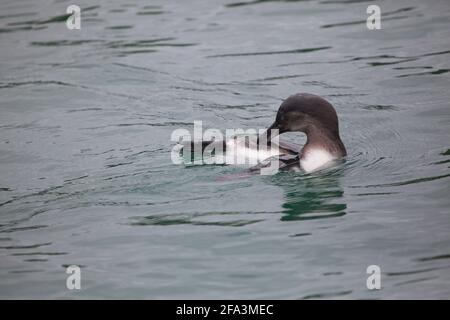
289	148
193	147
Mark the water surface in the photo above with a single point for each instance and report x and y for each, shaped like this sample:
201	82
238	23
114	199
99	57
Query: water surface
85	172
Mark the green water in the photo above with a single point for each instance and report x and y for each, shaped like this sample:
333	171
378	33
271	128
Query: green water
85	171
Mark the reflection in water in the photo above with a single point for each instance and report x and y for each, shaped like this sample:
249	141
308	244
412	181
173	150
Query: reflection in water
307	197
311	196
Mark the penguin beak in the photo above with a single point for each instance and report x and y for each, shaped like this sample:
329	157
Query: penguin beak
269	134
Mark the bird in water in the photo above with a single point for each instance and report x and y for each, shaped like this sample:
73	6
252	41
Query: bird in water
302	112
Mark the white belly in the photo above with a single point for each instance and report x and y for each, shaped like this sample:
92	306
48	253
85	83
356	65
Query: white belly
237	153
315	159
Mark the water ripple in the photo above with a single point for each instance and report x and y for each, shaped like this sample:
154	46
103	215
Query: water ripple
262	53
